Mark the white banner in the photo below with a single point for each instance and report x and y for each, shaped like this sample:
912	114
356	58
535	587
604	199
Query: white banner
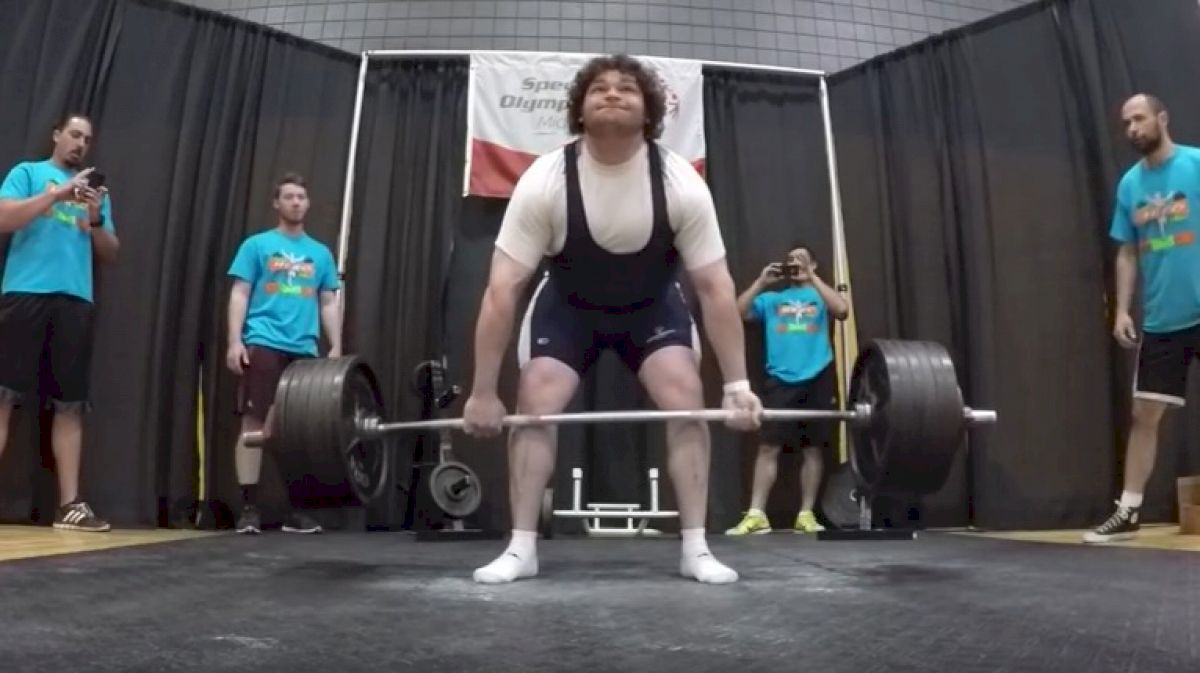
518	111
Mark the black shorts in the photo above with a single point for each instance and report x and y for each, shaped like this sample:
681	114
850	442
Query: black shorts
575	336
256	391
819	392
46	339
1163	363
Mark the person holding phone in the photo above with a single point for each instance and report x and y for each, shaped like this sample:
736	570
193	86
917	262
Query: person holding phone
795	305
59	215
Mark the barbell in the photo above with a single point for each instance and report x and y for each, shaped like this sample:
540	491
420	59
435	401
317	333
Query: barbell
905	414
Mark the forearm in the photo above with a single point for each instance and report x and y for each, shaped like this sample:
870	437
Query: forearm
106	244
839	308
724	329
1126	277
16	213
746	298
331	320
492	332
237	317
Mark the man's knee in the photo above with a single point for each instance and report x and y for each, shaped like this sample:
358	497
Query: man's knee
546	387
674	383
769	450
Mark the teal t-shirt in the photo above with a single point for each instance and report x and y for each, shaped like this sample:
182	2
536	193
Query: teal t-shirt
1155	210
796	331
287	276
51	254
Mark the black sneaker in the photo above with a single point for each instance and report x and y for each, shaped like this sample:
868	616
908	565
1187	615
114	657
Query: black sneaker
249	522
78	516
1122	525
299	522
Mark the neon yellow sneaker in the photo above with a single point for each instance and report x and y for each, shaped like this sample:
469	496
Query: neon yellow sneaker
807	523
754	523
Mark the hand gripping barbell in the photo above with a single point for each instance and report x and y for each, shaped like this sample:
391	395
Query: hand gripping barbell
905	414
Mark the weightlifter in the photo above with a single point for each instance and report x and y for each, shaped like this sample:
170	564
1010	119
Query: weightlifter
1156	224
59	215
284	283
616	214
795	305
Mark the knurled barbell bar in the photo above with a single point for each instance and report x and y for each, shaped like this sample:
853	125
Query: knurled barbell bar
906	418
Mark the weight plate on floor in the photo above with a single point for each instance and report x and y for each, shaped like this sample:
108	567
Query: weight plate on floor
455	489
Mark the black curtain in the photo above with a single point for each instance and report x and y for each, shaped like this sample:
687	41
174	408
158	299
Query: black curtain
407	201
196	114
978	170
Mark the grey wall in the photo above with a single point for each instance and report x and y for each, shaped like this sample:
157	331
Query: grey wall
827	35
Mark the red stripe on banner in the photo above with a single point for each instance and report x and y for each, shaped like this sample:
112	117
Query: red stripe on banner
495	169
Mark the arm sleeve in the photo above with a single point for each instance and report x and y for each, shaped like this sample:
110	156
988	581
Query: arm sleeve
106	212
526	232
329	277
245	263
758	307
17	184
1122	228
698	235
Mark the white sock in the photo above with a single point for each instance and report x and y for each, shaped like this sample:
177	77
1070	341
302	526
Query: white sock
697	562
519	560
1129	499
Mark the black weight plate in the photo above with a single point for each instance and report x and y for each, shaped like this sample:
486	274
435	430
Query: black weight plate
870	384
323	419
838	501
944	429
907	416
367	460
459	503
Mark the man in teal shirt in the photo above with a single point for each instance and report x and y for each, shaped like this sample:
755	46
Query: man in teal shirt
284	289
1155	224
59	215
800	375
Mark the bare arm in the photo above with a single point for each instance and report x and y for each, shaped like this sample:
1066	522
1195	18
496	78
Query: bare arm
839	308
106	244
331	321
1126	276
239	300
16	213
746	299
497	313
722	322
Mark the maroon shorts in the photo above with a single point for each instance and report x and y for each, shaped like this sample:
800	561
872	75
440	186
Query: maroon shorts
256	392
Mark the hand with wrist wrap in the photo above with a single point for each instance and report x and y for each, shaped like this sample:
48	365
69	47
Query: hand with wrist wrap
738	397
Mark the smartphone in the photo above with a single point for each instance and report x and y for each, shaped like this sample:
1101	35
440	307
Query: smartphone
789	270
95	179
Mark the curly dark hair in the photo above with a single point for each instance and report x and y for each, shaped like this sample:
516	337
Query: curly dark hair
655	101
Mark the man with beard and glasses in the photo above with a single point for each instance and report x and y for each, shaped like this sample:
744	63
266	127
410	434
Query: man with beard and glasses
284	290
59	215
616	217
1155	225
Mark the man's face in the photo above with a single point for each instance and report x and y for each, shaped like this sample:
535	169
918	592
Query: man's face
800	261
614	100
1143	127
292	203
72	142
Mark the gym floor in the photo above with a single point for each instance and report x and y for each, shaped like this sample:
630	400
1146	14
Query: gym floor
383	601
